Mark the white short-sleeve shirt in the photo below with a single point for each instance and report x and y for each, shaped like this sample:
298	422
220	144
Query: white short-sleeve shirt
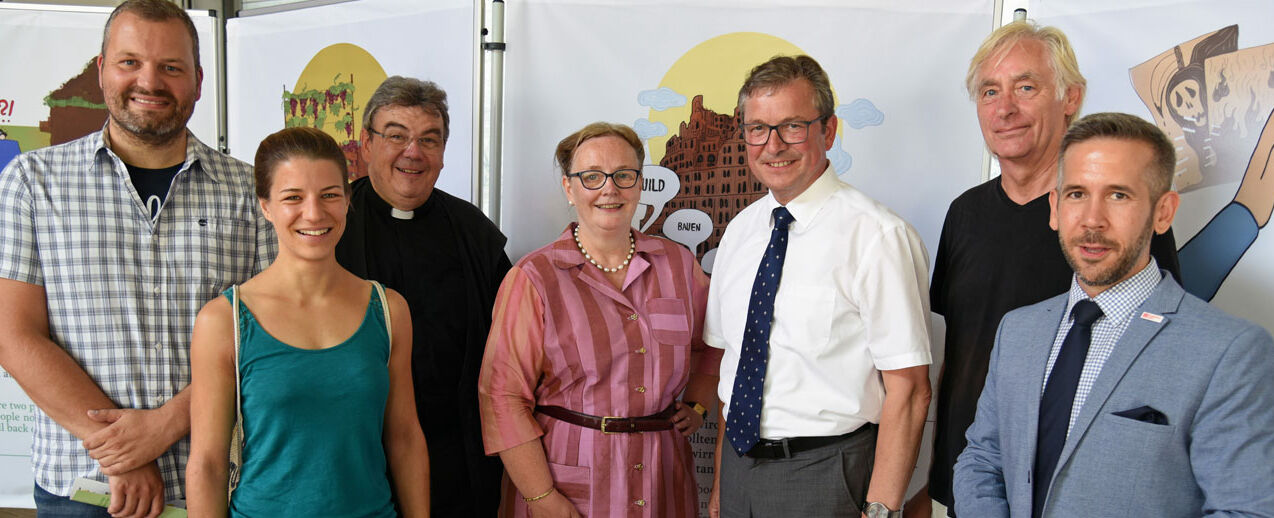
852	301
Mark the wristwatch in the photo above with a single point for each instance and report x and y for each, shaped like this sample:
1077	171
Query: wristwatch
697	408
879	510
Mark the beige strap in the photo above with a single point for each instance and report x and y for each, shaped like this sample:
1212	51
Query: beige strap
384	306
236	433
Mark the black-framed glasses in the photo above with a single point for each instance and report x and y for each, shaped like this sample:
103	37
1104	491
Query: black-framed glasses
401	140
593	179
791	132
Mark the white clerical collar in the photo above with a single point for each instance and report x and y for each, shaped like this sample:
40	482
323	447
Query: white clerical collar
402	214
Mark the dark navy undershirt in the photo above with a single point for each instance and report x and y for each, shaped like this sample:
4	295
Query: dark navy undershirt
152	185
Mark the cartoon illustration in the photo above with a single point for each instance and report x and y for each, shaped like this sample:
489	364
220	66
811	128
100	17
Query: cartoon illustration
1214	101
76	108
701	180
330	95
8	148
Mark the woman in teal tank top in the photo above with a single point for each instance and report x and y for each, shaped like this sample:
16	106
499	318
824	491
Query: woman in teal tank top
327	404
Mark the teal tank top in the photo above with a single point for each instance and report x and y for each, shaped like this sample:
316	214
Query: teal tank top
313	422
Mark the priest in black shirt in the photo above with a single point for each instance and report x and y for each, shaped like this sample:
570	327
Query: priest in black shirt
447	259
997	251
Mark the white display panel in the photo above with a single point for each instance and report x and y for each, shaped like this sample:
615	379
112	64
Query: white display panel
330	48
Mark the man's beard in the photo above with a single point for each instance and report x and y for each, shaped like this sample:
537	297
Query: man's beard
1115	272
155	129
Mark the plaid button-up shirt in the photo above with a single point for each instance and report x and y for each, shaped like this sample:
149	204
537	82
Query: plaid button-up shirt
123	291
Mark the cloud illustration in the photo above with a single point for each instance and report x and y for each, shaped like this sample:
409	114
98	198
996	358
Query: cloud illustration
661	98
841	160
860	114
646	129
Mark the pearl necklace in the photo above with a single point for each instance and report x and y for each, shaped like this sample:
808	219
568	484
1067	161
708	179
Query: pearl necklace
632	248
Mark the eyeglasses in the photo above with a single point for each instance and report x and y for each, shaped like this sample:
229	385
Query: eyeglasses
791	132
593	179
401	140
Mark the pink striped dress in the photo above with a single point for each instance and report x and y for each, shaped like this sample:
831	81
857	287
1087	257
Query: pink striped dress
563	335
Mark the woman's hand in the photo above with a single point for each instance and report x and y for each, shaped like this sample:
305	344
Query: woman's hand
553	506
686	420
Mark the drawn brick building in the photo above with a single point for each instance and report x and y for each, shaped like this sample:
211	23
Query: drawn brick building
710	158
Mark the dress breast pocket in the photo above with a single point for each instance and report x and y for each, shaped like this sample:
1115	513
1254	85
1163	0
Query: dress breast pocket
670	320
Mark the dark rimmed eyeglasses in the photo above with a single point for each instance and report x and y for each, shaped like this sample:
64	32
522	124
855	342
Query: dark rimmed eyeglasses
790	132
593	179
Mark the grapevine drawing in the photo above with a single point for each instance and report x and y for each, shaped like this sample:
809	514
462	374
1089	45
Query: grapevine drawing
331	110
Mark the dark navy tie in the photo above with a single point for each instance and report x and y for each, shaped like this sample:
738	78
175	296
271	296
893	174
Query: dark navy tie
744	426
1059	396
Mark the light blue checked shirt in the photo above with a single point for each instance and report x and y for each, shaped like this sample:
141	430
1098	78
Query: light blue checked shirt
1118	305
123	291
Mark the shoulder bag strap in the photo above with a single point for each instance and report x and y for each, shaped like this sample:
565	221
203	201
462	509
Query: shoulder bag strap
384	306
236	433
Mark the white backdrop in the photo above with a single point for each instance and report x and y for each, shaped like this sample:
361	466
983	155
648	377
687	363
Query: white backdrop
268	53
44	47
907	57
1111	38
914	144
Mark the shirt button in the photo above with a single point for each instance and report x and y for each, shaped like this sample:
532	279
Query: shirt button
638	466
641	351
158	346
640	503
632	316
641	389
156	290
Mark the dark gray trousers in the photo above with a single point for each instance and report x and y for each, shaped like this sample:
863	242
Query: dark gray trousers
830	481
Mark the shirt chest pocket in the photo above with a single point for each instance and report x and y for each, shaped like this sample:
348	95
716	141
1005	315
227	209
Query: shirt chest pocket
211	252
804	321
669	321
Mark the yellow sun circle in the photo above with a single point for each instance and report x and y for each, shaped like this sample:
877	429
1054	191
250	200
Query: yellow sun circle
338	64
714	69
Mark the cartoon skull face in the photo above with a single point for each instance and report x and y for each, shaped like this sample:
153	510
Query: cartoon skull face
1186	99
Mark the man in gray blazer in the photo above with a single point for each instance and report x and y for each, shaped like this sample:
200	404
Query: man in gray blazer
1125	396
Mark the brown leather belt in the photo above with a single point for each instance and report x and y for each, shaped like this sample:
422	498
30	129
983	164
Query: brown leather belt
651	423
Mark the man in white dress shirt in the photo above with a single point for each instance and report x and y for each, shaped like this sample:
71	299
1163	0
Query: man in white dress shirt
841	370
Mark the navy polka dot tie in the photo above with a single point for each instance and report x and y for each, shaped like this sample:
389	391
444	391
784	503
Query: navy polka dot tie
744	426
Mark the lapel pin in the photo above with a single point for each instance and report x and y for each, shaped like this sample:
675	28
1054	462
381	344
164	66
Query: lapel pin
1158	319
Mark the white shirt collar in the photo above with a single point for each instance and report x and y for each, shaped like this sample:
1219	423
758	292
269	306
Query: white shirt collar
805	206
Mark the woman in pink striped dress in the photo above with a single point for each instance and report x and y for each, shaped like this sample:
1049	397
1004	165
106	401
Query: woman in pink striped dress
594	339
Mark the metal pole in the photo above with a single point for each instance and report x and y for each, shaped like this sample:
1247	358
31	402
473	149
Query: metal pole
488	188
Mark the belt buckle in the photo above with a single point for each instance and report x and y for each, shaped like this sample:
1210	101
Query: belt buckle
608	418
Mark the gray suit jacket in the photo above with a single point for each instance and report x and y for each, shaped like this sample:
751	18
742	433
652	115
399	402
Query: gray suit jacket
1208	373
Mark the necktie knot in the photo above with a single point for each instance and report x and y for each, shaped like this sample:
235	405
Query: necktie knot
782	218
1086	312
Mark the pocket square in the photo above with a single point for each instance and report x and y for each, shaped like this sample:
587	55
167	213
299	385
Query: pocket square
1145	414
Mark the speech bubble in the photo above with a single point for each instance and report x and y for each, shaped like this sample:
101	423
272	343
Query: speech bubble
658	186
709	258
688	227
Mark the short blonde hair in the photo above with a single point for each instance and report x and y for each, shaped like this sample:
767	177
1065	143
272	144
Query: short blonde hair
565	151
1061	56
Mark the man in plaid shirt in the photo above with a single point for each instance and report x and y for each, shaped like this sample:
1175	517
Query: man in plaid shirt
110	245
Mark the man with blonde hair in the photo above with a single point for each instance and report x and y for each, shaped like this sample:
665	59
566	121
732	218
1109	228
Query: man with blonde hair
997	252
